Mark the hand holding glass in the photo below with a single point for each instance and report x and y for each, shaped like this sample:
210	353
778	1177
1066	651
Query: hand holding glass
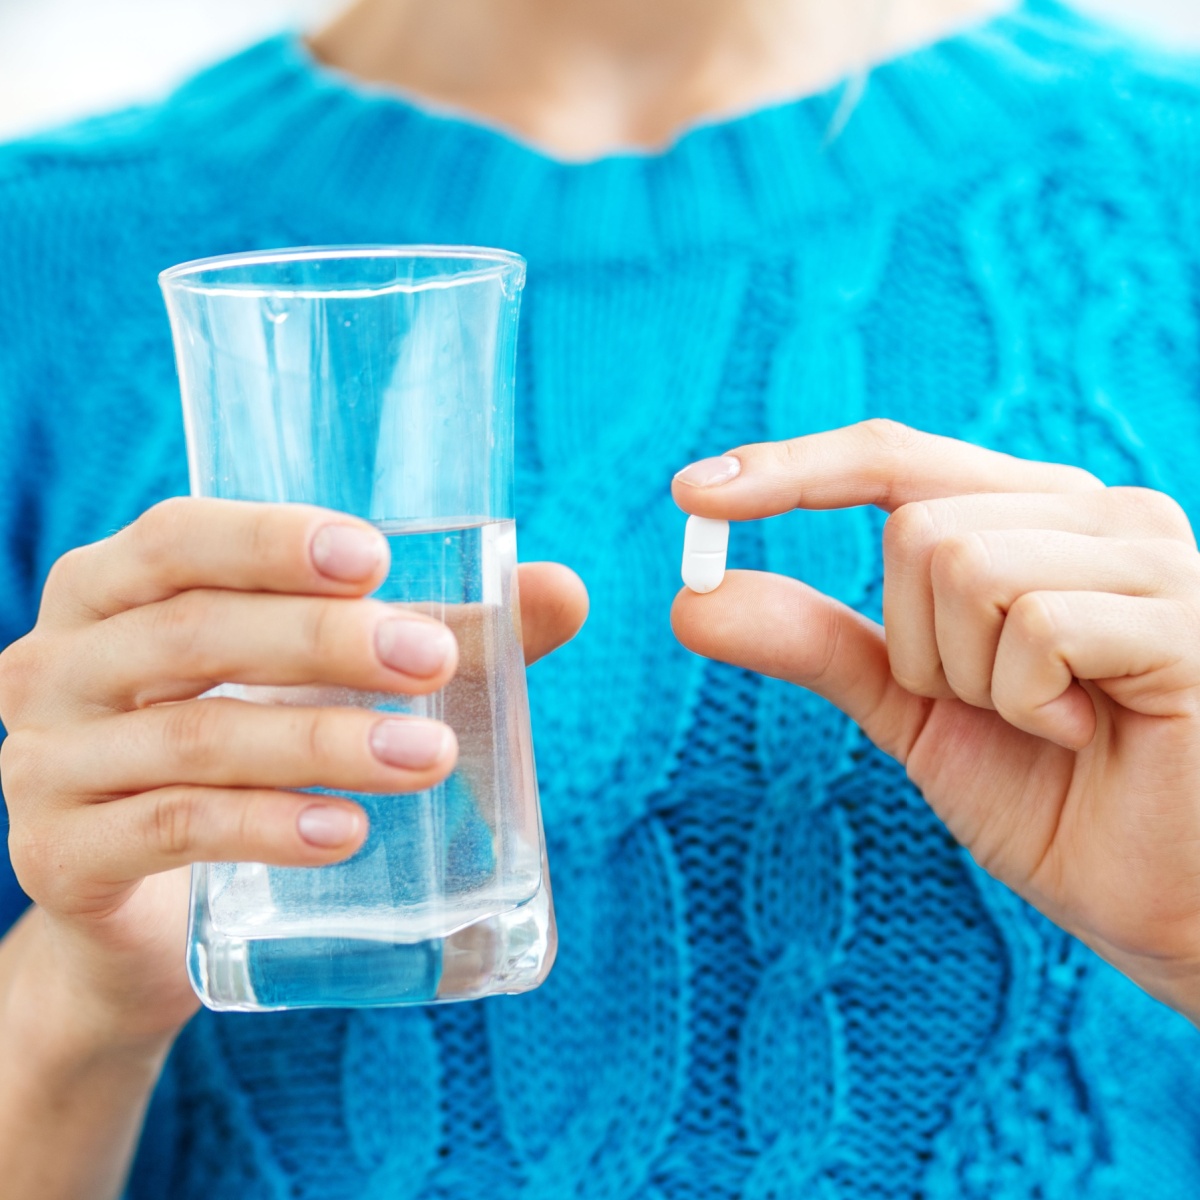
379	381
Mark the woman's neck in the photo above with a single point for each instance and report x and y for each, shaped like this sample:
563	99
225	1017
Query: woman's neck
583	78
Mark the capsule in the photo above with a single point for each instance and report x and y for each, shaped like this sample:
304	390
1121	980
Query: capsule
705	545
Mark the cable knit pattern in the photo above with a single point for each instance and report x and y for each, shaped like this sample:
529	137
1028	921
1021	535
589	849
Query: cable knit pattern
779	978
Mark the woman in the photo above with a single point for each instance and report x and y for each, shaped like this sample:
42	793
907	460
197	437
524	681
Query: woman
780	974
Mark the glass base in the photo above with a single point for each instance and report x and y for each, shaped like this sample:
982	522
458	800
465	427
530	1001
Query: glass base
499	955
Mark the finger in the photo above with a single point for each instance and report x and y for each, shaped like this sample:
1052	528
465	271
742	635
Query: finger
77	861
978	577
1137	650
178	648
201	543
875	462
220	742
914	532
554	606
782	628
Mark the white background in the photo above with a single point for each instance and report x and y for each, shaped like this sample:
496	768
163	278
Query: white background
62	58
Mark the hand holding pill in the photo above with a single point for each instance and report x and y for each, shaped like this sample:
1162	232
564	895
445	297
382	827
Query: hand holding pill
1040	674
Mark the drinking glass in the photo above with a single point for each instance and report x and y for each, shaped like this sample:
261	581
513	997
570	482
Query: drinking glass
379	381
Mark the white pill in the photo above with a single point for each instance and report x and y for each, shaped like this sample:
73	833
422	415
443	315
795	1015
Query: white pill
705	544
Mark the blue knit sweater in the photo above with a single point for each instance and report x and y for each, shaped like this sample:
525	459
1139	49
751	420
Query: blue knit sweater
778	975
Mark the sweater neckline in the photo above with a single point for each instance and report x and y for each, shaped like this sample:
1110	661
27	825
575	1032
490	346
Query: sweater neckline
373	153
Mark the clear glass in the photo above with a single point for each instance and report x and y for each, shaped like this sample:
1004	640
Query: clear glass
379	381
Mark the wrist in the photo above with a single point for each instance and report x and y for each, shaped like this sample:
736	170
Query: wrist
1173	981
75	1076
56	1015
1178	988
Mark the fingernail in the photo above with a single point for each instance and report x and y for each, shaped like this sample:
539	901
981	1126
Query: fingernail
420	648
711	472
347	552
413	744
328	827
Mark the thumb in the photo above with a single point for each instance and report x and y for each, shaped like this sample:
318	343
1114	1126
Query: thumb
783	628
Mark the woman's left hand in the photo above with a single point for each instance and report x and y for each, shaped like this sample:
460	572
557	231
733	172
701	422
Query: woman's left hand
1040	678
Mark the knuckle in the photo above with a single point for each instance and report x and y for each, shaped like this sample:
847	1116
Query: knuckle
31	854
976	693
909	532
891	437
791	453
962	563
178	628
157	531
891	449
1158	512
1009	700
320	630
1076	479
1169	565
172	823
164	518
319	740
1036	619
21	765
262	533
69	569
251	826
20	667
195	732
1189	593
920	680
830	635
1178	555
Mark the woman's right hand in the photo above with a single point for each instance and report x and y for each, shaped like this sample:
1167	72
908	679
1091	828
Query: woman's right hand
119	773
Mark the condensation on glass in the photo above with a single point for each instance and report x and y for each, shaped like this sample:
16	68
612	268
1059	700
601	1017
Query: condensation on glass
379	381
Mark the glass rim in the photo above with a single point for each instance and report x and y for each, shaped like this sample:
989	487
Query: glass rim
489	262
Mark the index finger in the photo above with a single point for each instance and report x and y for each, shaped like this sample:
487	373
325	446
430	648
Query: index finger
875	462
195	542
